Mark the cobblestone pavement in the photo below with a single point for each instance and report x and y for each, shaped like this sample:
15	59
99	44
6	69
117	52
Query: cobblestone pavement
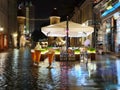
18	73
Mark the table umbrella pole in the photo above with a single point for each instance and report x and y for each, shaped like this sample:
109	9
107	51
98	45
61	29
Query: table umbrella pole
67	34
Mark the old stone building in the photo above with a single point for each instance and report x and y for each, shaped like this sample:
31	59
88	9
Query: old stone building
8	22
83	14
109	11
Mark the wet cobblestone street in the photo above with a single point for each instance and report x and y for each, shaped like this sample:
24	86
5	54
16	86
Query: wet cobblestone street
18	73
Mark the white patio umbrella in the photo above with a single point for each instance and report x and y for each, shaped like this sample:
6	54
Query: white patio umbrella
75	30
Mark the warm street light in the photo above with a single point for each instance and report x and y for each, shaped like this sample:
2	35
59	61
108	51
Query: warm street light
1	29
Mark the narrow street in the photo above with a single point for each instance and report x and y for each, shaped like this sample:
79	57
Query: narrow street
18	73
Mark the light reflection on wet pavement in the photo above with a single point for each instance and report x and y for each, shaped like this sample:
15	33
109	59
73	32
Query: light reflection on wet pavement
18	73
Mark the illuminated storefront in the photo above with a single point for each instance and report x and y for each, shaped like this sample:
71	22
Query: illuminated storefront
8	23
3	40
110	23
117	40
109	34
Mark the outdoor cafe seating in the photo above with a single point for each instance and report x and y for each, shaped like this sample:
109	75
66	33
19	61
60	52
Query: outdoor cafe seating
71	54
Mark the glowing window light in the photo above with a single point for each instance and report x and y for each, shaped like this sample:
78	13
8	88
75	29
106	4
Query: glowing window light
109	7
15	35
116	16
1	29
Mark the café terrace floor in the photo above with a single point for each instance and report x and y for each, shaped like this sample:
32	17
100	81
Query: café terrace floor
18	73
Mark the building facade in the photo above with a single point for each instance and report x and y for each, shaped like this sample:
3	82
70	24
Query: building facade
110	19
25	22
7	22
54	19
83	14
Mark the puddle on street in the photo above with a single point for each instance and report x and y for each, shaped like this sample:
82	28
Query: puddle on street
18	73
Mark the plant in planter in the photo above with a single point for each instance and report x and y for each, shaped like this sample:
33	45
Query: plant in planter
77	51
92	53
91	50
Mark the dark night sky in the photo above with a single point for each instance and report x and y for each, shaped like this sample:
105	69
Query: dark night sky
43	8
